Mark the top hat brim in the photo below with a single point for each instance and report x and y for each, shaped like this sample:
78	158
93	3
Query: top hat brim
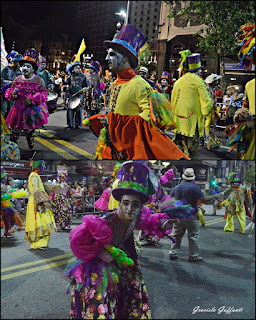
35	66
195	68
119	192
120	48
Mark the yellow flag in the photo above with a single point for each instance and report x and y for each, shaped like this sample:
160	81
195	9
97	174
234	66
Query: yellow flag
80	51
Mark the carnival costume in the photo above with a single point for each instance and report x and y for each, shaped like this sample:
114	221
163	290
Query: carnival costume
136	117
191	101
102	203
27	117
242	132
237	204
165	89
39	219
9	215
8	74
9	149
62	209
49	83
94	92
115	289
76	82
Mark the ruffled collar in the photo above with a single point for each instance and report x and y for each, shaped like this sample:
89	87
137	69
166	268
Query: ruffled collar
125	76
25	79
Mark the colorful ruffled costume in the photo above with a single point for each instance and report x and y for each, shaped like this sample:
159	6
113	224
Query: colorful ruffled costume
95	286
102	203
39	219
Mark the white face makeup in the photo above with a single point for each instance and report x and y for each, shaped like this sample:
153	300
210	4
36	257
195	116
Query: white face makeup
77	69
164	82
27	70
115	60
130	207
43	66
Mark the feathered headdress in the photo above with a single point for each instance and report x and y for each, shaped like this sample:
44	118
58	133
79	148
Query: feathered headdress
38	164
183	66
246	42
62	173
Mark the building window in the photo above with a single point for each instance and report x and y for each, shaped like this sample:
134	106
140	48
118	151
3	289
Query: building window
140	25
154	24
149	4
155	17
135	13
148	11
148	18
135	20
142	12
147	24
154	31
141	19
155	10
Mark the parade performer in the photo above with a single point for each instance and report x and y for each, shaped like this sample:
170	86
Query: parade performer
77	82
113	203
106	278
166	84
28	90
62	209
242	132
211	140
49	82
9	150
238	203
94	92
102	203
39	219
8	74
132	127
189	193
143	72
191	101
7	212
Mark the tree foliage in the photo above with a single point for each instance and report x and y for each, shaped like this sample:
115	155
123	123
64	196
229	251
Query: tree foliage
221	20
250	176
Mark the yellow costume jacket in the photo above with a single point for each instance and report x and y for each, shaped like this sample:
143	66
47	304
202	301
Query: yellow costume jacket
192	101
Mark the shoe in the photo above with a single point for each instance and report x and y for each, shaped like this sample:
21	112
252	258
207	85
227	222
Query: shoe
77	127
8	235
173	256
195	259
69	127
14	228
43	248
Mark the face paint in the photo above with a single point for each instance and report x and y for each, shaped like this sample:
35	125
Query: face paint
27	70
130	207
115	60
77	69
43	66
164	82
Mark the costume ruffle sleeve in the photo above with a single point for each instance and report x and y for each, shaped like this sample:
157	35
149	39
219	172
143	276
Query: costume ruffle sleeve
39	97
151	224
88	239
137	139
8	94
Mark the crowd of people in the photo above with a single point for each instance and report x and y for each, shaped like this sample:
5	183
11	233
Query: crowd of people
129	104
105	276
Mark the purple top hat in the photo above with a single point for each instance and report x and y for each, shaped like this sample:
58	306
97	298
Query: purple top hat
134	181
194	62
128	42
165	75
31	56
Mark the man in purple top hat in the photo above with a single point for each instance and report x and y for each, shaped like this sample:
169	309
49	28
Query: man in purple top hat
104	245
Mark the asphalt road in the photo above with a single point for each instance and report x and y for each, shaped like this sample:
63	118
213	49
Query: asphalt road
54	141
222	287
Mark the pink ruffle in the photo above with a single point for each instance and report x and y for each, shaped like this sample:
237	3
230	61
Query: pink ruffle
39	97
88	239
167	177
150	223
102	202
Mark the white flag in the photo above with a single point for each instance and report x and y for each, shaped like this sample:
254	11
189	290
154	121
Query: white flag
4	61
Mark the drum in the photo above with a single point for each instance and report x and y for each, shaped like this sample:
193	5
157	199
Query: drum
52	98
74	102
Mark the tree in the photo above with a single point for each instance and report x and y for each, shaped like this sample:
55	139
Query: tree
220	20
250	176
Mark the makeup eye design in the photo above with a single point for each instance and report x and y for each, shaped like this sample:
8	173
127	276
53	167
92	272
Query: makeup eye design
112	54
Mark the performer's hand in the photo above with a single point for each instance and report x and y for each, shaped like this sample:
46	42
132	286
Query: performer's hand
14	95
168	224
104	121
27	101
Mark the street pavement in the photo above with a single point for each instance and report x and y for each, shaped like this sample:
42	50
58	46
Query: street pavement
55	141
220	287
